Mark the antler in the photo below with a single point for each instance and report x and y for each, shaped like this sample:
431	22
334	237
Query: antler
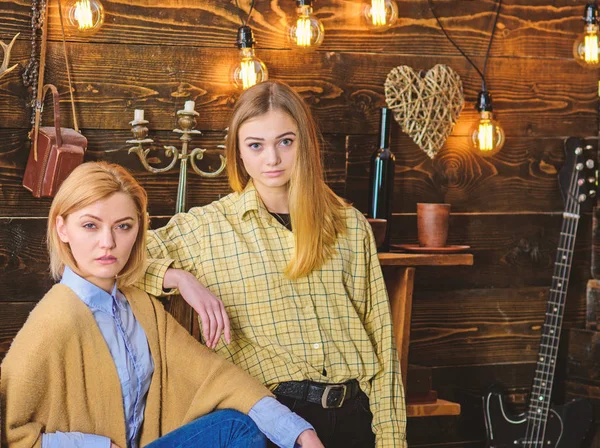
4	67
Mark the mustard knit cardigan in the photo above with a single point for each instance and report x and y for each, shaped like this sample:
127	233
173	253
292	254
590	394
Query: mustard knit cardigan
59	375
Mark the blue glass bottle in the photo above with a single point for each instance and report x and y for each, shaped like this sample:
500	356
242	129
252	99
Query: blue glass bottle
381	177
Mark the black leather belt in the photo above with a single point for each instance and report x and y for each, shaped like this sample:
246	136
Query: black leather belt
327	395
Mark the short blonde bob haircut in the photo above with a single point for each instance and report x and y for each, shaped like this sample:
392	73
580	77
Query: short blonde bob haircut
310	199
87	184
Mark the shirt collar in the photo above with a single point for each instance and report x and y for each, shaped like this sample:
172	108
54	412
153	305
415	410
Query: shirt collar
90	294
249	200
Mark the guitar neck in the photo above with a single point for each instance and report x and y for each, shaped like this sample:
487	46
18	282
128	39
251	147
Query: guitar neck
547	356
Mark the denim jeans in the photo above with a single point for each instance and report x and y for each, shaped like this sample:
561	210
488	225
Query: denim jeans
219	429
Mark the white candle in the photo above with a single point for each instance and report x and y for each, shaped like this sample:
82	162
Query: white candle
189	106
138	115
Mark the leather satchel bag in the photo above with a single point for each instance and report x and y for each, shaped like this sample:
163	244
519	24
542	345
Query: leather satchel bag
56	152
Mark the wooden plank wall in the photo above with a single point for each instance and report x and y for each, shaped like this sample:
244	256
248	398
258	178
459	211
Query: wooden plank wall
473	325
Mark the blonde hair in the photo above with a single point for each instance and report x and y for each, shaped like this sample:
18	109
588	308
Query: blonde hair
310	199
89	183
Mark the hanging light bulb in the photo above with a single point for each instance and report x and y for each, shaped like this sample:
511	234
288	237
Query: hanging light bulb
380	14
307	32
488	136
84	16
585	48
250	70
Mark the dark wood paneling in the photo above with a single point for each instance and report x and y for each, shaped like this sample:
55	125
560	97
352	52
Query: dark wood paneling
522	177
344	90
524	29
477	326
24	273
510	250
110	146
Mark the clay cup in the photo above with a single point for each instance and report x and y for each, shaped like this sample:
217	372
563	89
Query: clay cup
432	224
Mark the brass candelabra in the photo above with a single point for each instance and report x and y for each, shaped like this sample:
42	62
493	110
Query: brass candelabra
186	120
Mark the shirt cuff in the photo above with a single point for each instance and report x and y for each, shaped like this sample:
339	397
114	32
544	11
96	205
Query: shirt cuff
153	279
74	440
277	422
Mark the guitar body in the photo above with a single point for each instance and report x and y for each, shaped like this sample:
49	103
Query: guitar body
567	426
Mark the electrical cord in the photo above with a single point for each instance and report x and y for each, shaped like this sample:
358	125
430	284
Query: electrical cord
244	22
487	53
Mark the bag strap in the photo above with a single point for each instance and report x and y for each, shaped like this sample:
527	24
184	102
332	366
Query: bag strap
56	101
62	28
42	92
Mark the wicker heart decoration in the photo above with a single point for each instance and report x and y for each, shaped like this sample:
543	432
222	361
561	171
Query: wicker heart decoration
426	107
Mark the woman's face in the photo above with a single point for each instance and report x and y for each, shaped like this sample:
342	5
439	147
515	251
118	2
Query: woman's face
101	237
267	146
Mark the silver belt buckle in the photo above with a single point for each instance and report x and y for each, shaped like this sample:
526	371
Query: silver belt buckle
328	389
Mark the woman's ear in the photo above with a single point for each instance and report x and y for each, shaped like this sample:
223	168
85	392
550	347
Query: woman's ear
61	229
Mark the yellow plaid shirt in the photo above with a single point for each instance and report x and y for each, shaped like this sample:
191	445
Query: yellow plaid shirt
336	320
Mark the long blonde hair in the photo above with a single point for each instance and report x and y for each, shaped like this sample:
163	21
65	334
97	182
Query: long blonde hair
89	183
310	199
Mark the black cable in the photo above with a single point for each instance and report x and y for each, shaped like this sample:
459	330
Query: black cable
244	22
487	53
250	11
481	74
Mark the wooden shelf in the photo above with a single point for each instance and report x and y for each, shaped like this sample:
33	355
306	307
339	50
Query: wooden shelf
405	259
439	408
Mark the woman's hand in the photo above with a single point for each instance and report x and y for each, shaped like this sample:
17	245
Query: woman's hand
210	309
309	439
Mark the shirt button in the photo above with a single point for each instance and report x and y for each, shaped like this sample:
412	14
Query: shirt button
316	345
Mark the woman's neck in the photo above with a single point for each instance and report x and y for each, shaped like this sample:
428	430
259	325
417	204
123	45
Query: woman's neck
276	200
106	284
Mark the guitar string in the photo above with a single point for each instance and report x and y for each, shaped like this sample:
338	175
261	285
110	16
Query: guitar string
556	320
531	421
553	319
533	425
548	352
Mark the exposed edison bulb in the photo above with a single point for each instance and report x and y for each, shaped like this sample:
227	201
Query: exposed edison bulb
585	48
307	32
250	70
488	135
380	14
84	16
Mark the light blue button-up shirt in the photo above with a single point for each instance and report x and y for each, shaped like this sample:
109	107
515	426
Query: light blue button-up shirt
128	346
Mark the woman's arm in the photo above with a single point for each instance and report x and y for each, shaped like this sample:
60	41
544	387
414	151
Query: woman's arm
75	440
281	426
173	251
215	383
211	310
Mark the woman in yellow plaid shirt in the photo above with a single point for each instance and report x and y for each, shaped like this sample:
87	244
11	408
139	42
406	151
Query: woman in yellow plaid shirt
288	273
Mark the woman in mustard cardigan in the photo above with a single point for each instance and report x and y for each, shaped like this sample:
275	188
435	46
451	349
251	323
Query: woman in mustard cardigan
100	363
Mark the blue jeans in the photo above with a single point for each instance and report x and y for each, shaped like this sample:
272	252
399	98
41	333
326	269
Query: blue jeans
219	429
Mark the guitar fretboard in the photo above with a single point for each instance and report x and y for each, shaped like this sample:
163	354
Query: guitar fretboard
539	403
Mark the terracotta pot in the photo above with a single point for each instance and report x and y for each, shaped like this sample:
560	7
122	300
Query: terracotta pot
379	226
432	224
